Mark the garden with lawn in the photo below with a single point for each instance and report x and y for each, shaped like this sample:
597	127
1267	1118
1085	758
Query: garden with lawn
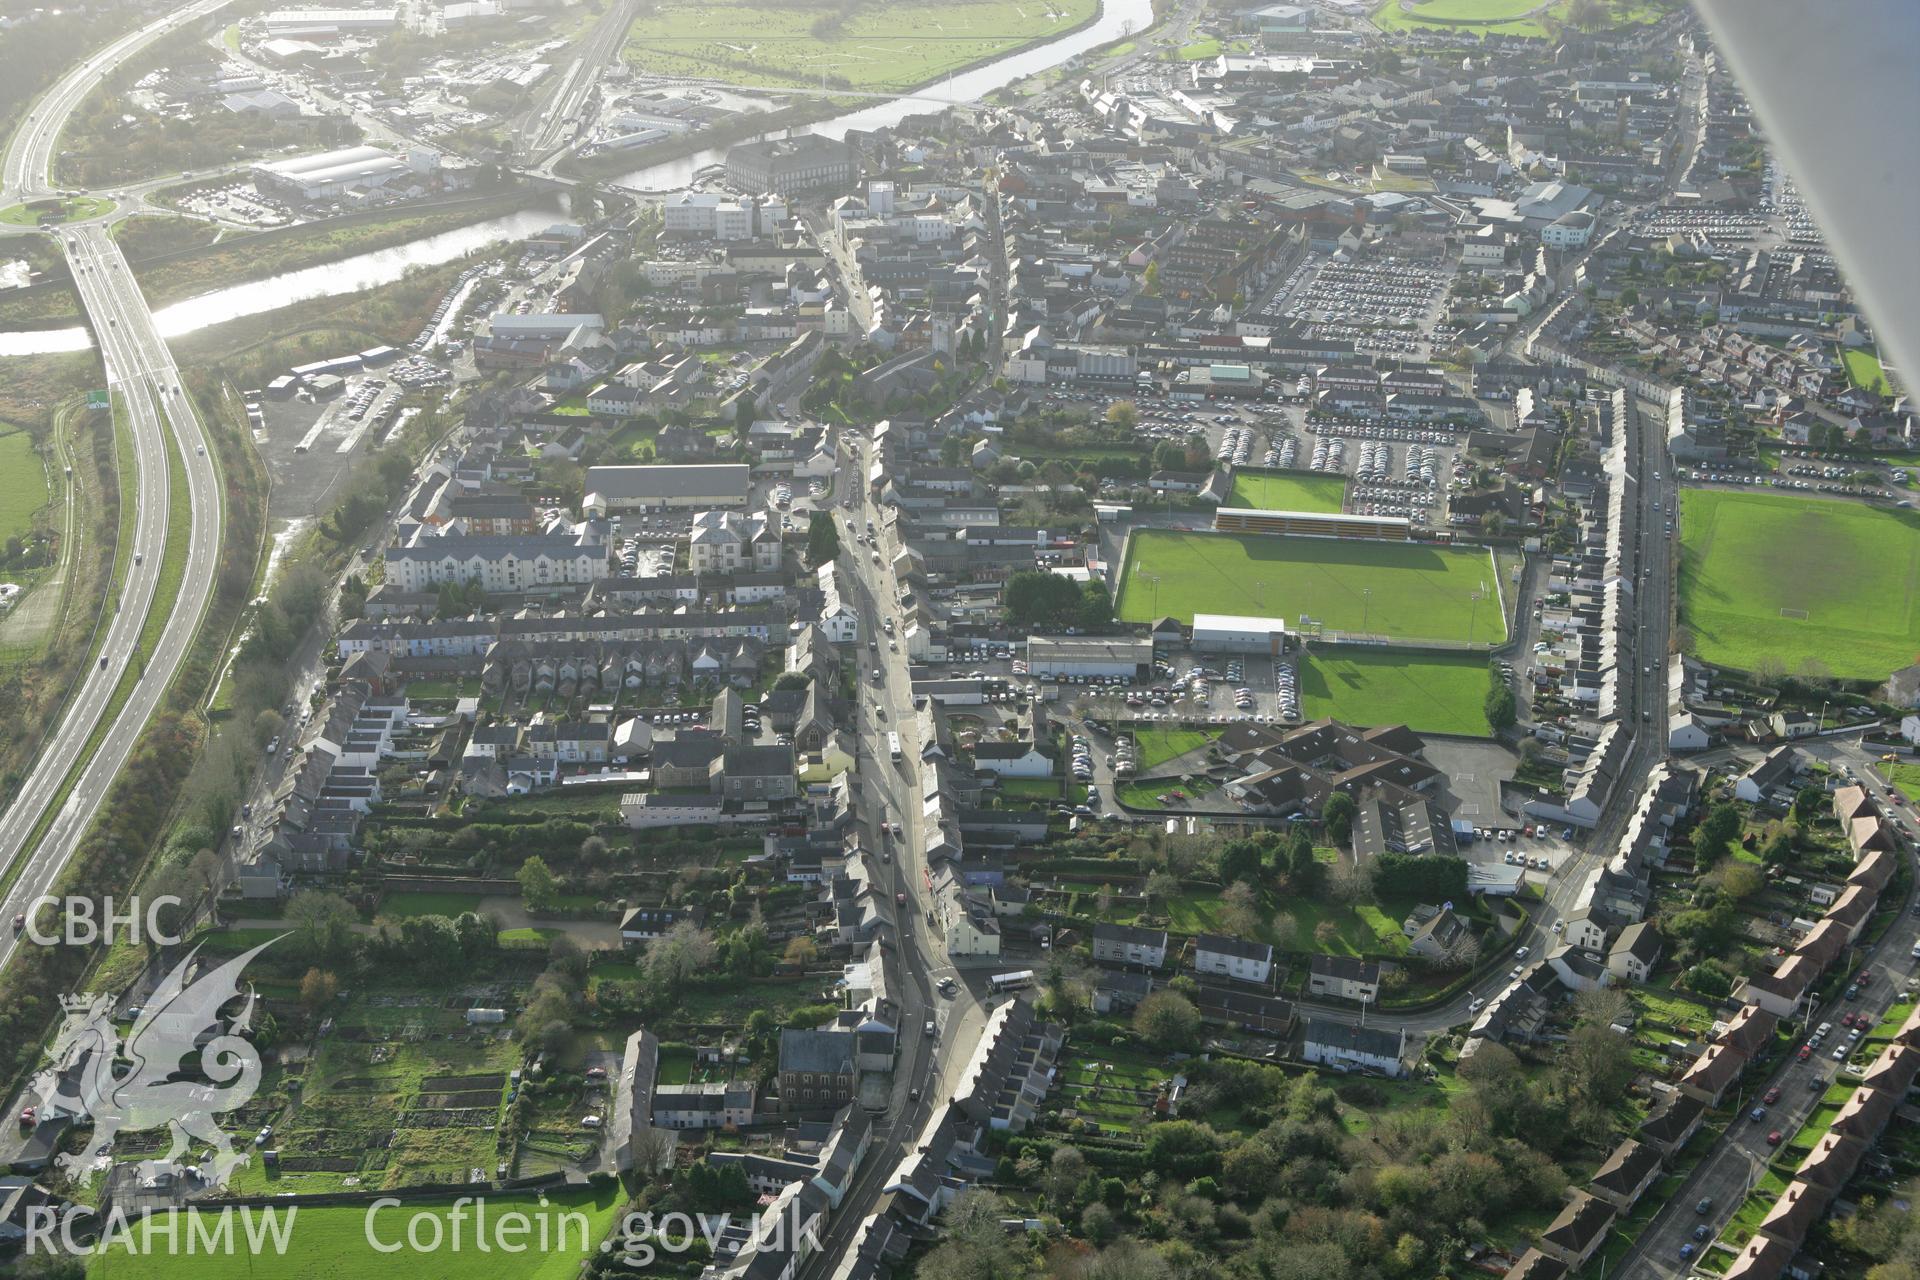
1798	583
1402	590
1157	746
1865	371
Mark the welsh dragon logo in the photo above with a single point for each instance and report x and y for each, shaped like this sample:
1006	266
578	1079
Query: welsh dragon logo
141	1084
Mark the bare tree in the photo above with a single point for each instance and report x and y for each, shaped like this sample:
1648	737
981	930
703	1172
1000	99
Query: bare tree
686	949
1464	953
1239	913
1351	882
652	1150
1601	1006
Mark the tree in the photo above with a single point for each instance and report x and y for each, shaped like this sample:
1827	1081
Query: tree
1239	910
1501	708
1240	861
1066	1171
1806	803
1337	816
1601	1006
322	924
684	951
976	1247
1777	848
1303	869
432	945
1596	1065
1035	597
1739	880
1124	414
1168	1020
538	887
1589	15
1353	882
823	539
1715	831
267	725
318	989
1096	605
1151	279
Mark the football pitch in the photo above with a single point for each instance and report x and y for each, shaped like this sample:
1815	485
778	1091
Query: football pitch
1770	578
1406	591
1287	491
1429	693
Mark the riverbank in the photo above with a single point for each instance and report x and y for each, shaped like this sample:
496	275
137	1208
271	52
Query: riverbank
174	275
667	164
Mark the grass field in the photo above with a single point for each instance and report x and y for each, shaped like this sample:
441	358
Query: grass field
23	483
330	1241
1503	17
20	215
1864	371
1287	491
1157	746
1407	591
1768	577
1429	693
404	905
895	45
1906	777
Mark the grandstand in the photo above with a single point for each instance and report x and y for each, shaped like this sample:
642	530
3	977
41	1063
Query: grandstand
1312	524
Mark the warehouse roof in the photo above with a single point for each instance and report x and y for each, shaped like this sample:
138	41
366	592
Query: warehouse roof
349	164
1238	622
630	483
1089	649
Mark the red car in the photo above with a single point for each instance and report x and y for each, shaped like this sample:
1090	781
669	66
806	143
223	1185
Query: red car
1773	1139
1772	1095
27	1114
1806	1051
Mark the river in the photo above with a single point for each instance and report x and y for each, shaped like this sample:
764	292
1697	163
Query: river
349	275
1118	19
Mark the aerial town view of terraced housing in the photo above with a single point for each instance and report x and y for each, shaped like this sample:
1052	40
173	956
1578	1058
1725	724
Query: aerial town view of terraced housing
990	640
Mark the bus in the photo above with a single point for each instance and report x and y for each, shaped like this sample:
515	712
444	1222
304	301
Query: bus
1011	981
893	746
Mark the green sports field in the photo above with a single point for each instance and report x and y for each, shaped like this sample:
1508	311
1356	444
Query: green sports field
1772	578
1429	693
1405	591
1287	491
